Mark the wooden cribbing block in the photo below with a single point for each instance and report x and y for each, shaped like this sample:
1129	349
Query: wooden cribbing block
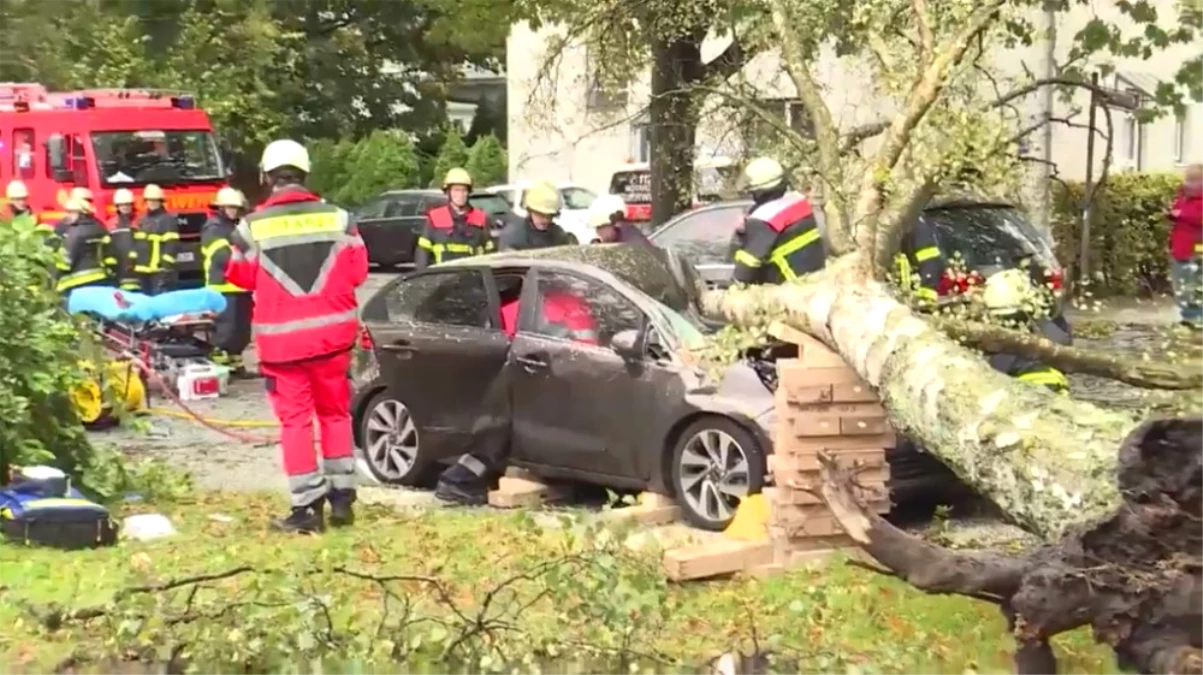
715	558
517	492
813	445
651	509
794	490
788	465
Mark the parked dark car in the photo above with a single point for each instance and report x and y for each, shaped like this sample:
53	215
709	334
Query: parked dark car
630	413
988	236
391	223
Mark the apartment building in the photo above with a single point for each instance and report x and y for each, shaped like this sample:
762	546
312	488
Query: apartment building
589	132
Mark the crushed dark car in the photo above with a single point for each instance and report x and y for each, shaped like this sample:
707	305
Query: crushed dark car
632	411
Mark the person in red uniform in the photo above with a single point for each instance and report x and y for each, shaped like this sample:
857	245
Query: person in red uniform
456	229
302	259
562	314
1186	247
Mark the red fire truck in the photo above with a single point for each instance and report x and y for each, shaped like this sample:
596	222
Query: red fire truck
108	139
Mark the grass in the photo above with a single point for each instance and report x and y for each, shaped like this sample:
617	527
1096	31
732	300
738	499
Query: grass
830	618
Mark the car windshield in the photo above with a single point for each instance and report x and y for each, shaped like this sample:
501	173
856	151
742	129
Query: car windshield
688	331
163	157
989	236
490	203
704	235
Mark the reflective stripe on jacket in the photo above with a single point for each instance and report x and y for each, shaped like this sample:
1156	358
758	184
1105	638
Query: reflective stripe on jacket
215	253
451	235
781	242
122	258
920	264
85	248
303	259
155	241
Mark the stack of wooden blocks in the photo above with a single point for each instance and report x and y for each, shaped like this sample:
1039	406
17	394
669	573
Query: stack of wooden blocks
823	406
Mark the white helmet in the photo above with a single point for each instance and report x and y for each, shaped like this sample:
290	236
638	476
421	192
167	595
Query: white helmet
1006	292
123	196
284	153
604	208
153	192
763	173
81	193
228	196
16	190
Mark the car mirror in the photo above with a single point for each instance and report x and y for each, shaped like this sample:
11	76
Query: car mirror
628	344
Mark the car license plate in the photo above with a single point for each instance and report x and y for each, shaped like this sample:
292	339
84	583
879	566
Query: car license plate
185	257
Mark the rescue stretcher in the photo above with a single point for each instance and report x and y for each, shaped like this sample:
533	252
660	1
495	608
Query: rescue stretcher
164	337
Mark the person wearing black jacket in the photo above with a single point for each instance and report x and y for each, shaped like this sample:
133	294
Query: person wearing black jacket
86	246
232	329
608	217
538	230
121	231
155	241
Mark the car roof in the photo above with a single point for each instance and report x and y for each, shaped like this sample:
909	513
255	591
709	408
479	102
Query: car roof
939	202
426	192
642	267
522	185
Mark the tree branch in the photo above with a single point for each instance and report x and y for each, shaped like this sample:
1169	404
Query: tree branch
857	135
927	41
1145	374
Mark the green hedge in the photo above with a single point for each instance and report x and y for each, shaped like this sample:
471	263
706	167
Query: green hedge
1129	233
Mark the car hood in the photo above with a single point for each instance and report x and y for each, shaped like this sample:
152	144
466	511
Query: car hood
739	392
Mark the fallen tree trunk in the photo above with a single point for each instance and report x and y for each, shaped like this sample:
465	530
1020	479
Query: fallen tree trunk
1047	461
1146	374
1125	529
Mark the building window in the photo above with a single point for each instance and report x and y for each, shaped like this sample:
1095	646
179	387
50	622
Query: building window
759	132
1181	139
602	94
641	141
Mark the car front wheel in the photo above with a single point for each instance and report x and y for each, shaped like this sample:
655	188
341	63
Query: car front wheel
715	464
392	450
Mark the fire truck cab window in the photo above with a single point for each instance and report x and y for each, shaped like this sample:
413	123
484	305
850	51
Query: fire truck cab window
79	162
23	144
164	157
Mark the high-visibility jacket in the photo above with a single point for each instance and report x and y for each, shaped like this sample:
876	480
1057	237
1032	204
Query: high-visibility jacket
215	252
85	248
920	263
450	235
303	260
781	241
122	258
567	315
155	241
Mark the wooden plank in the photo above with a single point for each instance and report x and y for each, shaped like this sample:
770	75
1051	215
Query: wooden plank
841	409
853	393
868	464
714	558
831	444
650	509
794	490
811	395
514	492
816	376
864	426
816	424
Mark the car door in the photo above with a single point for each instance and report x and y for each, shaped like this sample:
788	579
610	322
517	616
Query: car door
704	237
440	345
573	403
369	219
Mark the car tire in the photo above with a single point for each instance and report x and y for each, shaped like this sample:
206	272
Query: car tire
390	444
708	492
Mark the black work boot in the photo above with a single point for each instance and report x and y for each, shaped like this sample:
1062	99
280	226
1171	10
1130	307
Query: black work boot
342	512
473	494
303	519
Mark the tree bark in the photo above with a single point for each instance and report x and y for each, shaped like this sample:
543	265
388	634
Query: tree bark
1046	460
676	65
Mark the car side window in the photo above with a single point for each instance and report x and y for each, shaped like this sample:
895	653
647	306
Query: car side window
703	236
428	203
458	298
568	306
577	198
373	209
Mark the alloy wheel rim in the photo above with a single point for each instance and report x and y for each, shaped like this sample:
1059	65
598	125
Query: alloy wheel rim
713	474
391	439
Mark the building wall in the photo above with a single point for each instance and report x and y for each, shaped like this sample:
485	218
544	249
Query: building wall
570	141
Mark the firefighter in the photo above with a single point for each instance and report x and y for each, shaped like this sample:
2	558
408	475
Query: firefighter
781	239
562	313
1005	295
86	245
232	330
18	205
56	234
455	230
539	229
123	258
302	260
608	217
920	264
155	242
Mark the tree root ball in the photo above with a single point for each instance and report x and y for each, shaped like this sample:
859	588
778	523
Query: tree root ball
1136	577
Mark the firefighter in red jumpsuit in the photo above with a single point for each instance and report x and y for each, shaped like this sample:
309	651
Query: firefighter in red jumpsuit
563	314
303	259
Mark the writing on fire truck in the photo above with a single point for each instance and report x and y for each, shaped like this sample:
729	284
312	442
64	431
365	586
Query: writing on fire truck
109	139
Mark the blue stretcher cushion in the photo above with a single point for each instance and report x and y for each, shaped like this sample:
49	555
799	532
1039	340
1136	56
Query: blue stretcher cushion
125	306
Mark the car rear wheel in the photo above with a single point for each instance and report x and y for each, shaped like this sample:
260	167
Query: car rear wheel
392	451
715	464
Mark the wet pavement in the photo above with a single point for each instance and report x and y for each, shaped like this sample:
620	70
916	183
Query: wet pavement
247	458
